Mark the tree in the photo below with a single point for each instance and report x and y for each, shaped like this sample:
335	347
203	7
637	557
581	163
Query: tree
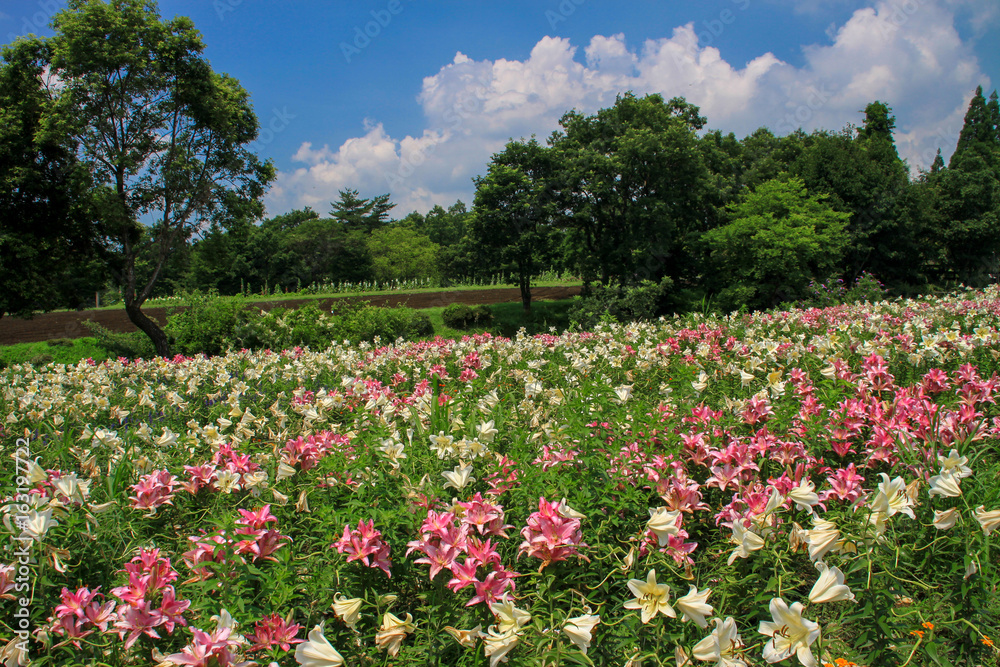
48	228
163	136
399	252
861	171
513	209
968	199
364	214
778	239
631	181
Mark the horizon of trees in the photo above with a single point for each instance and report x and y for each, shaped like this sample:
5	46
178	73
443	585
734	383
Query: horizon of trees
642	192
639	193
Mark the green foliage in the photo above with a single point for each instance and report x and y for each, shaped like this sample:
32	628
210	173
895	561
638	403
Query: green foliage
134	345
67	351
779	239
357	213
48	229
212	325
631	182
161	134
642	302
207	324
462	316
514	210
400	253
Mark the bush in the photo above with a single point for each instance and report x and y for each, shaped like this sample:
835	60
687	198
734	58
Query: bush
207	324
461	316
134	345
41	359
835	292
615	303
366	322
60	342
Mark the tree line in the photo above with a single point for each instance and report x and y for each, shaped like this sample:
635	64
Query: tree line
124	160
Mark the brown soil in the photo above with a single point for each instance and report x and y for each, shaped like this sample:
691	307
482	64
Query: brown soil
70	324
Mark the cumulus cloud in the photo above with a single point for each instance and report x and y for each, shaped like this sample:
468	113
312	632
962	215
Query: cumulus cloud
907	54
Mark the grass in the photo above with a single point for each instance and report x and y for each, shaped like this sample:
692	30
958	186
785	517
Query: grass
508	318
58	350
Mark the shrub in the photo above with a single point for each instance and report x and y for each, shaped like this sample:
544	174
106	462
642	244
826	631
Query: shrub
60	342
134	345
40	359
461	316
365	322
621	304
207	324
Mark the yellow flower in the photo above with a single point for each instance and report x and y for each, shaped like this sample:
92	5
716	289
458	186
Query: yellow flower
724	645
652	598
347	609
499	644
663	523
830	586
467	638
393	632
988	520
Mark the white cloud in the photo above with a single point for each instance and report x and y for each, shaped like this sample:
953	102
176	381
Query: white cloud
908	55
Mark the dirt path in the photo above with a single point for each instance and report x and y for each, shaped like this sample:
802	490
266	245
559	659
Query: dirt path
70	324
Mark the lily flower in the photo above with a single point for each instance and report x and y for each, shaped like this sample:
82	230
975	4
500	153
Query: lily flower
790	634
393	632
945	484
724	645
347	609
579	629
830	586
663	523
990	521
458	478
892	497
317	652
652	598
693	606
946	519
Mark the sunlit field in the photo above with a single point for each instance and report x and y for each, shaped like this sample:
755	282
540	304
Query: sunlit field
814	487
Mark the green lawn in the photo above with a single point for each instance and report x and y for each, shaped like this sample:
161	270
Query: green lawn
59	350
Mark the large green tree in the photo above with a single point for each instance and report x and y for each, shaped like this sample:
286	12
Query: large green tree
967	214
358	213
399	252
164	137
513	209
778	238
863	175
49	232
631	183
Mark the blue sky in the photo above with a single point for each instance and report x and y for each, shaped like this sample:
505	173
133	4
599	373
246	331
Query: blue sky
412	97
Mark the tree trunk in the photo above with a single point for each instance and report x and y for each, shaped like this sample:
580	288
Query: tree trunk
150	328
526	294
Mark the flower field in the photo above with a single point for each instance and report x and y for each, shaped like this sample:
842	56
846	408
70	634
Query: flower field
814	487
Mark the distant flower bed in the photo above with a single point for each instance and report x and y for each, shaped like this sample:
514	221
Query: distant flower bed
813	487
